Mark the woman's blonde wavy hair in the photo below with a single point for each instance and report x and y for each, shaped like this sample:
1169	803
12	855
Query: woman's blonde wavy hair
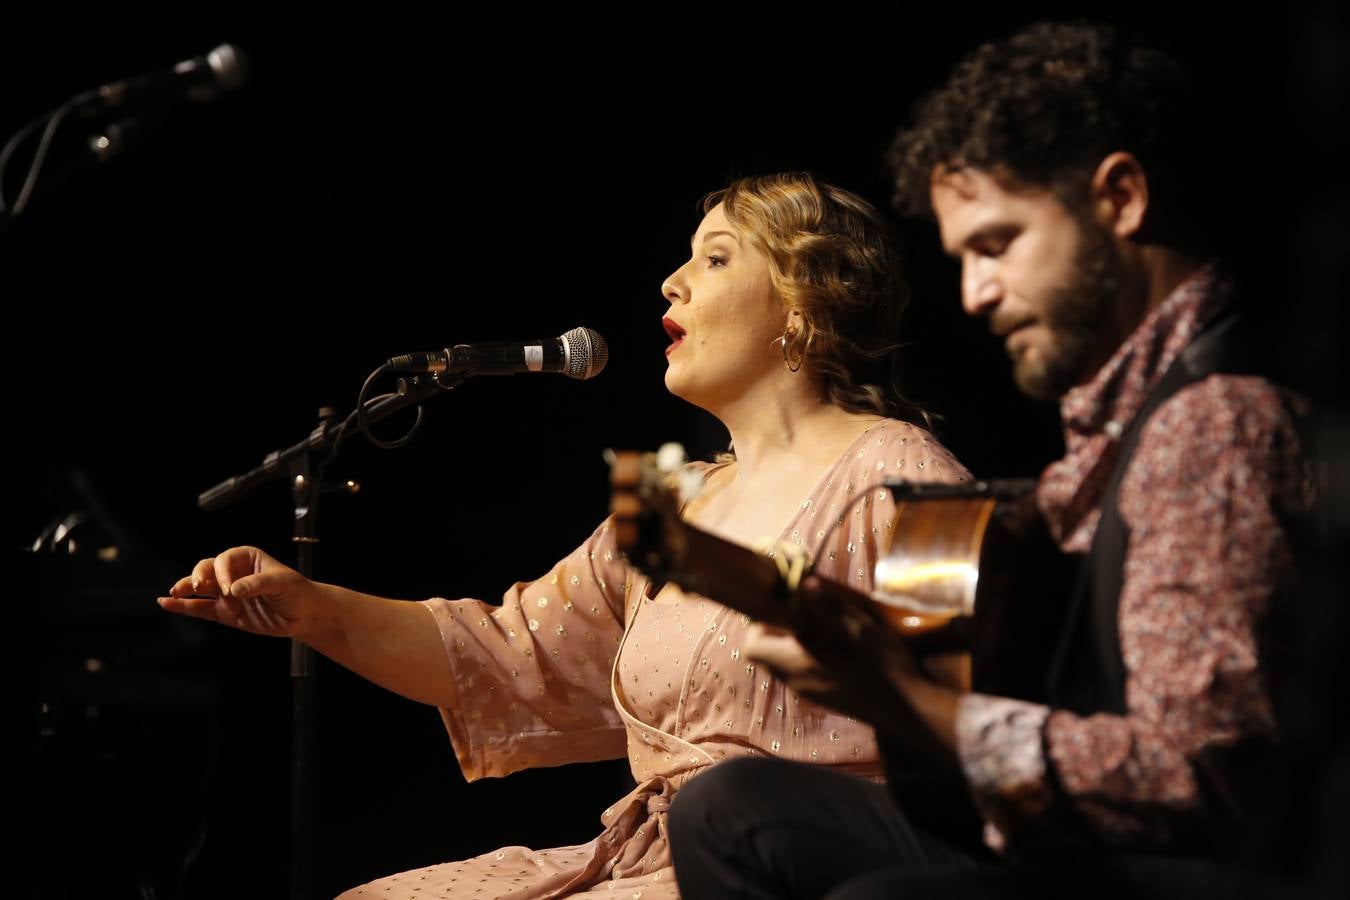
837	262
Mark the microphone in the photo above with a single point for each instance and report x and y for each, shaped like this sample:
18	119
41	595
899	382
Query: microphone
580	353
199	79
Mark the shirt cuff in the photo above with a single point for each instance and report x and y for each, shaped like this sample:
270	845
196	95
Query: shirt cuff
1000	745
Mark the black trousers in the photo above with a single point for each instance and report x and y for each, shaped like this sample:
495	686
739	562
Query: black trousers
762	828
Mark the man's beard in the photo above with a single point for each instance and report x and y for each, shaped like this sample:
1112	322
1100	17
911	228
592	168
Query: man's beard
1078	319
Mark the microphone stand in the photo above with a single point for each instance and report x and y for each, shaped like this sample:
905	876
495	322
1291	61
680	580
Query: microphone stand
304	463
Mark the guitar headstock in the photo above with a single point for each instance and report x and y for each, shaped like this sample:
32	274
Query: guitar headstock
647	491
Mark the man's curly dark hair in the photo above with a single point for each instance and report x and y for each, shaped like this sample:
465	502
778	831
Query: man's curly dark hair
1043	108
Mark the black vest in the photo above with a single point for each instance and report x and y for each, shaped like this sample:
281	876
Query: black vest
1087	674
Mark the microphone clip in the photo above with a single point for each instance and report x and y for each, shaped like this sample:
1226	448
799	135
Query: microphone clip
444	380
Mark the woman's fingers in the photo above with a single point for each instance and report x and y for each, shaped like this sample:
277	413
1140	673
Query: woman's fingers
233	564
197	607
260	584
202	581
215	575
182	588
243	588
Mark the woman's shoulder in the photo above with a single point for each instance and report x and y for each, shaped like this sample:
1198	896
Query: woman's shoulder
894	448
904	431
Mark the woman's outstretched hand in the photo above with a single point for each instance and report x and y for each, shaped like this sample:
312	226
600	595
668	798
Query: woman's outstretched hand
246	589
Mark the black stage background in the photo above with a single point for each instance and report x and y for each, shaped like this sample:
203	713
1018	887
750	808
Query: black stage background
402	179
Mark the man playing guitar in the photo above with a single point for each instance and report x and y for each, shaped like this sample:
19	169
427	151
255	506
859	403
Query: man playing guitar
1051	164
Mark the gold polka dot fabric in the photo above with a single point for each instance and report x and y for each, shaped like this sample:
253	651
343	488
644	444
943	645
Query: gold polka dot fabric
583	665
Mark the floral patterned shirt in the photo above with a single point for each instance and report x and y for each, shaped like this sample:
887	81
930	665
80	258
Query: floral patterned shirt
1216	468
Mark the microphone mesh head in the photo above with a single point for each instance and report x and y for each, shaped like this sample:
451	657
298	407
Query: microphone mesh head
587	353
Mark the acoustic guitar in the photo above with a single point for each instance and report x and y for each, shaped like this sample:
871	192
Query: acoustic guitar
953	560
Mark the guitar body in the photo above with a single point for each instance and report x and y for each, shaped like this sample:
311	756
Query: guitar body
973	578
1025	586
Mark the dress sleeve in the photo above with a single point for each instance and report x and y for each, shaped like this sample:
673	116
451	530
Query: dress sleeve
532	676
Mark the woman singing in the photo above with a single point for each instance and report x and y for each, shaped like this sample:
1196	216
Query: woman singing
783	325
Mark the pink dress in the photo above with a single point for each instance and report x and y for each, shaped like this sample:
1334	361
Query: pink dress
582	665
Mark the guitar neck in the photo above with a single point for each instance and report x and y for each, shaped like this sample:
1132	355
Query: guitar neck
661	544
702	563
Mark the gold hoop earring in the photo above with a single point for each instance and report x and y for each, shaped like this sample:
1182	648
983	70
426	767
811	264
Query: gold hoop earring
787	362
